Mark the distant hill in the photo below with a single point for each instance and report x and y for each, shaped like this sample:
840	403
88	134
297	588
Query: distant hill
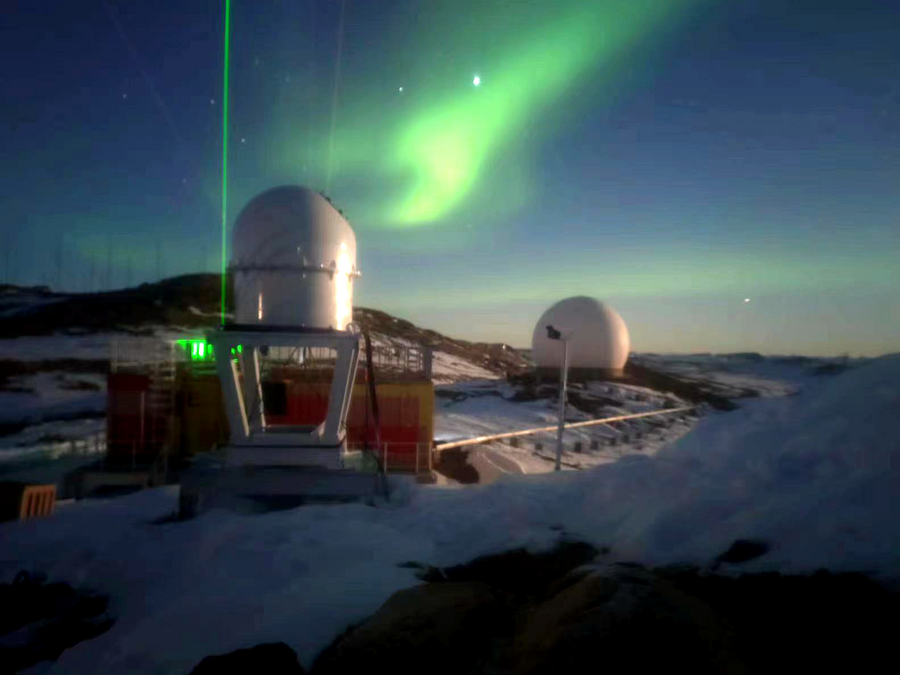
191	302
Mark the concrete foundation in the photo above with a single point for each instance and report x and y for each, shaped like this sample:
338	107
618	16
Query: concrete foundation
256	489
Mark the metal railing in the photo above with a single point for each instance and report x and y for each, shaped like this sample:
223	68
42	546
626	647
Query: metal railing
138	354
401	457
402	359
478	440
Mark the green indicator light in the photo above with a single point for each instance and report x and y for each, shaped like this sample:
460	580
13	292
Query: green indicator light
233	350
202	349
240	349
193	350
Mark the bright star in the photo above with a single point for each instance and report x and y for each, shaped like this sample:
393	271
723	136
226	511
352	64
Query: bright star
476	80
401	89
212	101
746	299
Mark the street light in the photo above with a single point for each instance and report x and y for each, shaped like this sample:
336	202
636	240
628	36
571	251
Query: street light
554	334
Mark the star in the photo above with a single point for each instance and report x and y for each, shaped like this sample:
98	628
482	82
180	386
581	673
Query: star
124	95
476	80
212	101
746	300
243	140
401	90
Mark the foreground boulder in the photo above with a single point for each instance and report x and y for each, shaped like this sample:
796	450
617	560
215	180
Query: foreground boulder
622	618
434	628
274	658
524	613
568	611
519	573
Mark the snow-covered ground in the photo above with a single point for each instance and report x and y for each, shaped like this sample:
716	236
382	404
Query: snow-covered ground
741	375
49	441
62	413
446	368
88	346
61	410
481	408
52	394
814	475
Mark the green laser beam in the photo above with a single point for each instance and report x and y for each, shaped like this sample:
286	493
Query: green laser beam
225	152
334	98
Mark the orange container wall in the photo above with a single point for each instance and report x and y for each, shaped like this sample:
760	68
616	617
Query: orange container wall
201	412
126	417
406	412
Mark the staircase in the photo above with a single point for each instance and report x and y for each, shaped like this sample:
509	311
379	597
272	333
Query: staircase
160	411
156	360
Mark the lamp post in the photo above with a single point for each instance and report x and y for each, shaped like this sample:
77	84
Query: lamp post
554	334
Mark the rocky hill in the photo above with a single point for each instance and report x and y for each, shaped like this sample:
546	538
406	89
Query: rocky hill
191	302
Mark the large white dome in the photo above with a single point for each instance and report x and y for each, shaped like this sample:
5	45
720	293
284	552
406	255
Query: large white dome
293	256
599	338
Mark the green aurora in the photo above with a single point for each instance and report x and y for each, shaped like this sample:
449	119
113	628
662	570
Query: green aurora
433	147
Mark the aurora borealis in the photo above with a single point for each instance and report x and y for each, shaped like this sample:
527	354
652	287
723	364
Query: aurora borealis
672	157
435	149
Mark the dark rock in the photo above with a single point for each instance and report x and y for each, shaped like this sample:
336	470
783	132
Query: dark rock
438	628
790	623
454	463
754	357
743	550
831	369
519	571
627	619
273	658
694	391
529	614
39	621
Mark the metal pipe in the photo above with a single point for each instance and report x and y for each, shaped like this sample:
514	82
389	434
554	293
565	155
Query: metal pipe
572	425
143	412
563	378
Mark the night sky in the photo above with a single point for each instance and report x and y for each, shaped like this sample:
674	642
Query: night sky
673	157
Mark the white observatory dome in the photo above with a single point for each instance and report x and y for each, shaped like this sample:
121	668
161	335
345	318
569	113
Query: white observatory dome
598	337
294	260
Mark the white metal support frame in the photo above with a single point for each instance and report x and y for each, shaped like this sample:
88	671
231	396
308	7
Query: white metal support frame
256	442
252	389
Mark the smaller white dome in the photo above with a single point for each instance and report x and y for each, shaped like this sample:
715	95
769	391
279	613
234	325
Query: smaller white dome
598	337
